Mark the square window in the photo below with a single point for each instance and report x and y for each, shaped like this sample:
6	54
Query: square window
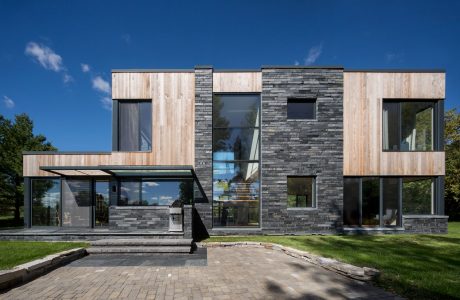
301	109
301	191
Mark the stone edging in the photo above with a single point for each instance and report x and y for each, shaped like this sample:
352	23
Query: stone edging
362	274
31	270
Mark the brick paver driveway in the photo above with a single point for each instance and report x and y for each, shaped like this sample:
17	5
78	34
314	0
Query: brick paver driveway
230	273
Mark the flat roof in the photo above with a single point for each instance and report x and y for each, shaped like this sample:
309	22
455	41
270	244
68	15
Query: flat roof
122	170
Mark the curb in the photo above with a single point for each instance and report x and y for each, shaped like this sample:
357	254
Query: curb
31	270
351	271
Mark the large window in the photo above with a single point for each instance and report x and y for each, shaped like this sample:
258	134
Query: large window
301	191
408	126
373	201
149	192
76	202
134	126
236	138
46	199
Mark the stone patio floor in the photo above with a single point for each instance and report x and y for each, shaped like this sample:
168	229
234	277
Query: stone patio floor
215	273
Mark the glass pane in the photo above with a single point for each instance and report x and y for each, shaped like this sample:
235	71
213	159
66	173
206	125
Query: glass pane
391	126
390	191
130	193
102	203
236	110
46	198
236	194
167	192
351	201
235	144
76	203
300	191
128	126
301	108
145	126
417	196
417	126
370	201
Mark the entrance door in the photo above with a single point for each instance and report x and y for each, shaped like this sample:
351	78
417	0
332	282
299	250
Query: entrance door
101	204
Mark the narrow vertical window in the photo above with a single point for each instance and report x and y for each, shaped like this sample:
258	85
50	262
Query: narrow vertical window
301	191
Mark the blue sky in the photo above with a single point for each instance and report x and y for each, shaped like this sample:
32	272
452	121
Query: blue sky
45	43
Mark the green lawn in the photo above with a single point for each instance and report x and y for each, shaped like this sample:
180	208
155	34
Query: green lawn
414	266
13	253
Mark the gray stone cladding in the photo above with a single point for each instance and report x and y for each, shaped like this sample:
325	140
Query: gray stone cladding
425	224
203	141
142	217
302	148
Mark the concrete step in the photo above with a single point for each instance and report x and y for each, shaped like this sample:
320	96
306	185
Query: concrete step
133	242
132	250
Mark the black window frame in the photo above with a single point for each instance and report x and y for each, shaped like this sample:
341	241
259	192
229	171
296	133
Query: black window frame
437	123
116	124
314	203
298	100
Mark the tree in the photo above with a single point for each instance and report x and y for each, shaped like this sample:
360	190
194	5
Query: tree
452	148
16	137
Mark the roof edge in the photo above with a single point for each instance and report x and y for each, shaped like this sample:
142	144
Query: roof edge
64	152
395	70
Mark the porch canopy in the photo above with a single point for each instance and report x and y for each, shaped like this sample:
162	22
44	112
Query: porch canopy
121	171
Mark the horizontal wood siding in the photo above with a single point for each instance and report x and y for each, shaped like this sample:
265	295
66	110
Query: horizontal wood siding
363	96
237	82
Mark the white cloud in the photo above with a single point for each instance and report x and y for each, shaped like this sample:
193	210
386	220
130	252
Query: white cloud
45	56
48	59
107	103
101	85
296	63
85	68
9	103
394	57
313	54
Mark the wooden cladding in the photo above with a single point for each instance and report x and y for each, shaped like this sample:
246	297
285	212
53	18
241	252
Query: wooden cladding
237	82
363	96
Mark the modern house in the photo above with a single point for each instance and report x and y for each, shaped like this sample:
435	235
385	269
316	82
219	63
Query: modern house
278	150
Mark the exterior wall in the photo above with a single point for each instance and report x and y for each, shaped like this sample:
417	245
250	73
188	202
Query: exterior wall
302	147
425	224
139	218
363	96
203	140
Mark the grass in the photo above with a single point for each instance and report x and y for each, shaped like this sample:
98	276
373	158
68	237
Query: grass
414	266
13	253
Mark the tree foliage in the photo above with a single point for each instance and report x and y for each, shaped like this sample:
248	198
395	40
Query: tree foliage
15	137
452	148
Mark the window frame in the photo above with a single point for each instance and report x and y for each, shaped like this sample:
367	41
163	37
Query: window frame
437	123
313	101
314	202
116	124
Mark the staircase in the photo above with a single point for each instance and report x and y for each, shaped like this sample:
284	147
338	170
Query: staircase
139	245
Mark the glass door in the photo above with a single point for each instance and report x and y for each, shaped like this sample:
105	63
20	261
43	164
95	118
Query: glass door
101	203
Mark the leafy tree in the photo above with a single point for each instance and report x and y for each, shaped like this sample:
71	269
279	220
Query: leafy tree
452	148
16	137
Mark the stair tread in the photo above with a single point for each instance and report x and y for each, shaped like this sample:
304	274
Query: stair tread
151	249
142	242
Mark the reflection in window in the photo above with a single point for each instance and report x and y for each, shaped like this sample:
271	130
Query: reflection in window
102	203
370	201
408	126
351	207
135	126
390	193
301	108
46	195
417	196
148	192
236	184
76	203
301	191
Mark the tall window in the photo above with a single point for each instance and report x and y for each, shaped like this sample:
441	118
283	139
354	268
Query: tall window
236	138
408	126
46	199
418	195
76	202
134	126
